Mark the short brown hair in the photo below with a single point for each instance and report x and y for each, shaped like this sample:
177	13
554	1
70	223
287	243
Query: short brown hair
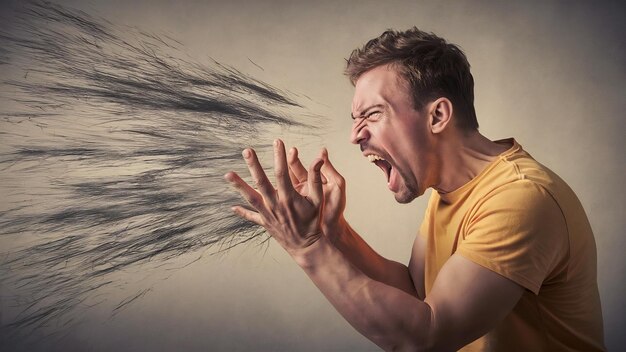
432	67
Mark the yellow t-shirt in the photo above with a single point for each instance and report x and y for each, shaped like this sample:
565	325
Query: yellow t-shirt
520	220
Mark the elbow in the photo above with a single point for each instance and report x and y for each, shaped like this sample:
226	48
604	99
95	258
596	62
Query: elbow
420	336
414	345
420	339
409	329
408	345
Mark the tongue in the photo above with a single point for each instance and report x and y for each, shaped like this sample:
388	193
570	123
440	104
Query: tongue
393	182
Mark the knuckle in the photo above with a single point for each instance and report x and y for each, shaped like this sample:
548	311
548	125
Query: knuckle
287	201
256	202
258	184
281	212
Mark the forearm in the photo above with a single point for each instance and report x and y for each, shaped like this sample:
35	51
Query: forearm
390	317
372	264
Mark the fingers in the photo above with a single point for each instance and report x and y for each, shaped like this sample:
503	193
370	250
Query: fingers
297	172
294	179
316	194
296	167
258	175
248	215
283	182
288	170
328	170
248	193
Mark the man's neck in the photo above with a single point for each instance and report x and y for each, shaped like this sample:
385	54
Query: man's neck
463	156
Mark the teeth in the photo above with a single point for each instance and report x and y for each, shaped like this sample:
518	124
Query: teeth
374	157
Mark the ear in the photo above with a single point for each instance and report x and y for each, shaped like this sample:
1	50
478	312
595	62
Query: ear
440	112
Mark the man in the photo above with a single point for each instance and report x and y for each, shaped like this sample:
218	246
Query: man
505	259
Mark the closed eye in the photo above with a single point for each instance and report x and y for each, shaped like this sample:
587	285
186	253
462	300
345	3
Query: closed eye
374	115
371	113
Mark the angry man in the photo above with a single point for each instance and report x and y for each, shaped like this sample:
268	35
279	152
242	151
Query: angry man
505	259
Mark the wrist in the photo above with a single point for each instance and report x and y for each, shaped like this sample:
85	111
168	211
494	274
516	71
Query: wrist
335	230
340	235
307	257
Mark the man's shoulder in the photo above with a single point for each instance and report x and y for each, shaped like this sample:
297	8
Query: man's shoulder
527	169
517	170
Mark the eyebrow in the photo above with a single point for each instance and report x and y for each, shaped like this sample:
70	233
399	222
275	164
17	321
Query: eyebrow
364	112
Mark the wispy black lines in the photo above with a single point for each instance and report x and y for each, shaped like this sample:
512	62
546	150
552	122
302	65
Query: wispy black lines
113	144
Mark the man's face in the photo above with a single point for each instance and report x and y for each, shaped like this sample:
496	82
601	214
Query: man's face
391	133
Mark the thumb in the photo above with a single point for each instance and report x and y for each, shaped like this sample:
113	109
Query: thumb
316	194
327	168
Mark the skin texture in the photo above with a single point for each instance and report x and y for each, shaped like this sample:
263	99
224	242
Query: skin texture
382	299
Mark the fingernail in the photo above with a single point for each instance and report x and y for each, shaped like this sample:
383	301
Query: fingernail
246	153
276	142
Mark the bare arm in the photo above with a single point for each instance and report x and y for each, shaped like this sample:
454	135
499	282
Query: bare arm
377	267
466	300
416	266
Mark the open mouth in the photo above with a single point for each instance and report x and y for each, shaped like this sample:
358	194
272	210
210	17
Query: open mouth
381	163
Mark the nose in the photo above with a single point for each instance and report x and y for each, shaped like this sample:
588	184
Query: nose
360	133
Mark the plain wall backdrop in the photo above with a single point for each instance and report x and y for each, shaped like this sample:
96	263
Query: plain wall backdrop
549	73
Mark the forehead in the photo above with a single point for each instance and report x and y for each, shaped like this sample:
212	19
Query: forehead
380	85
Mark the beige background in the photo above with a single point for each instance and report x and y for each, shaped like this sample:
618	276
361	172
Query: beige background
550	74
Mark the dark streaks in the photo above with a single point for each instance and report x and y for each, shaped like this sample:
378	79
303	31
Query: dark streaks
113	145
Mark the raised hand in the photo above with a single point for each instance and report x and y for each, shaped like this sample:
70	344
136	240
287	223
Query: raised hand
333	185
291	217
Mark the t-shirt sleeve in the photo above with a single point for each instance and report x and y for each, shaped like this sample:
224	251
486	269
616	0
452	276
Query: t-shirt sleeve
519	232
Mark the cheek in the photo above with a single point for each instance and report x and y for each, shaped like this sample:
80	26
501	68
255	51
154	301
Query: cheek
413	151
408	141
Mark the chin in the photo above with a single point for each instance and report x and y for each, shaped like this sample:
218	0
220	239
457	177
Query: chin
408	191
405	196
